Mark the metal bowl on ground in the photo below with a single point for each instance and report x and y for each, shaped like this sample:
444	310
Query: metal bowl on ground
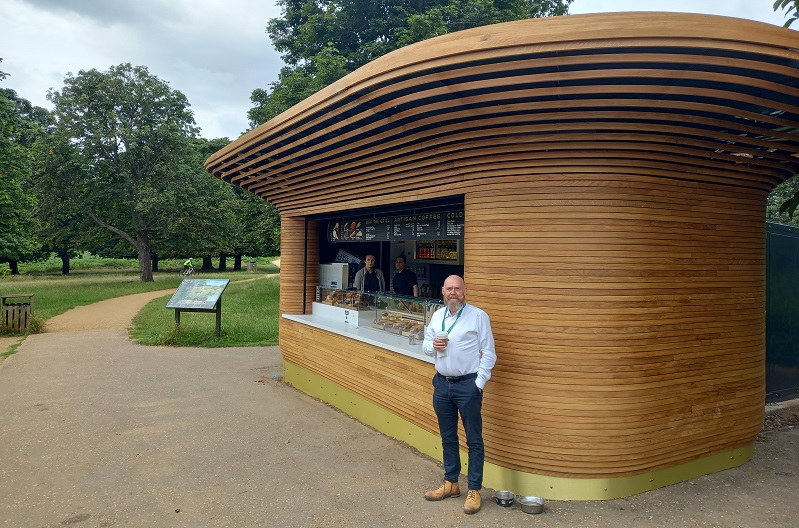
504	498
530	504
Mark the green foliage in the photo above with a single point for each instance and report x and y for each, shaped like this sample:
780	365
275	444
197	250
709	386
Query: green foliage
11	351
35	325
19	225
782	202
323	40
791	10
121	151
249	318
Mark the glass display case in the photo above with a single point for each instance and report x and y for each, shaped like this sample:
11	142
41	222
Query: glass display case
403	315
354	300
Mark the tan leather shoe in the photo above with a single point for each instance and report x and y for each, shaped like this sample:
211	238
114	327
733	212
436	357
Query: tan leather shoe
473	502
447	489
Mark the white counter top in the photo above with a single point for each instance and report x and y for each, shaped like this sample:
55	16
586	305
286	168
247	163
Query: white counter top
366	334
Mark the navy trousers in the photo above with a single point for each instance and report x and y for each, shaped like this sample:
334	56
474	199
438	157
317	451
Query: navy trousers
464	398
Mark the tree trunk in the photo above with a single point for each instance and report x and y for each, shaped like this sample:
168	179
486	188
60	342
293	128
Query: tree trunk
207	264
145	265
237	263
13	266
222	261
155	262
64	263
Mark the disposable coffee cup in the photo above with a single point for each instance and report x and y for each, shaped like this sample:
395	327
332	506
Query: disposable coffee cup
445	337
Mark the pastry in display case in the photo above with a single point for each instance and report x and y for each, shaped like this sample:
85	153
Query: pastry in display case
351	299
403	315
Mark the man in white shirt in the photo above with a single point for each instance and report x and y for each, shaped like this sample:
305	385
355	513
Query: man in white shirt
463	366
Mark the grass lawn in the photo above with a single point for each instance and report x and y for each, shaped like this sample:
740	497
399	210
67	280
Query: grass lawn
249	310
249	318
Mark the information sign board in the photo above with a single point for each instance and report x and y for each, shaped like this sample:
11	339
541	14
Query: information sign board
201	294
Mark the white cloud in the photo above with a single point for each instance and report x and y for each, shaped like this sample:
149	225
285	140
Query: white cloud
760	10
215	52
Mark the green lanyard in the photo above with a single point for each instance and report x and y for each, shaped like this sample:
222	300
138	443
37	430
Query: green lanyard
453	322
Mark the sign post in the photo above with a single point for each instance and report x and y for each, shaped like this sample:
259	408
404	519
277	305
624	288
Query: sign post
199	295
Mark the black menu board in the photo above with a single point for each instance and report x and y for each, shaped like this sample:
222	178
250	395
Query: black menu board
439	225
453	224
403	227
352	231
377	229
334	231
428	225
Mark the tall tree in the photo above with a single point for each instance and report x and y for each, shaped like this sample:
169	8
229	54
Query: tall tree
20	125
323	40
125	137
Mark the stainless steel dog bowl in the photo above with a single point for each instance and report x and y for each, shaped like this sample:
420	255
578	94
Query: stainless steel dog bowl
530	504
504	498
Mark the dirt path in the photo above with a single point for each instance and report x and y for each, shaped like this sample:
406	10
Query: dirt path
111	313
102	315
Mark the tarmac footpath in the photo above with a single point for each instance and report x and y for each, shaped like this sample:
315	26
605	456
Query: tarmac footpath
96	431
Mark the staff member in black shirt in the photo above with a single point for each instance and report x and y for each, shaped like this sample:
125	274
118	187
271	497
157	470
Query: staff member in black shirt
405	281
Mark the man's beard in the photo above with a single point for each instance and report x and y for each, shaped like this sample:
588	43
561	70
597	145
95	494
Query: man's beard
454	305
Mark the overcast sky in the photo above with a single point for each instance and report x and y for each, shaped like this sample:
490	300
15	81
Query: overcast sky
215	52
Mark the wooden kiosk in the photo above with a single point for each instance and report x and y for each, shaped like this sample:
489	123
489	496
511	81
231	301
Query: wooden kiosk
612	171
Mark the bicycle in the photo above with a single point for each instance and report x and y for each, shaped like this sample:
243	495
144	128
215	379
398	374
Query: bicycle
189	271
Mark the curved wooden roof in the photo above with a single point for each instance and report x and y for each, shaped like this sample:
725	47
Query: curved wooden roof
688	94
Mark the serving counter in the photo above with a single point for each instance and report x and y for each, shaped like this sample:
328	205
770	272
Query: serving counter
392	322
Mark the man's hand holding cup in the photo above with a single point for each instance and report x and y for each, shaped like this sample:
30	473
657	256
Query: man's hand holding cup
440	343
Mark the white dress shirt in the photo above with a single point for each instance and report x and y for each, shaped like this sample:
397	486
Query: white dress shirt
471	343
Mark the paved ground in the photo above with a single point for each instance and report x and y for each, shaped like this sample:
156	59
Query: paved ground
98	432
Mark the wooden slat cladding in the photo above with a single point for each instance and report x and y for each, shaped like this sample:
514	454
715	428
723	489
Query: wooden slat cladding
298	260
614	172
514	97
629	344
395	382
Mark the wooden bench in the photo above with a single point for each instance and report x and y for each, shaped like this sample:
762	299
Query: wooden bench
16	314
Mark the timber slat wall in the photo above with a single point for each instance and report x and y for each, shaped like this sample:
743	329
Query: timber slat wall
614	171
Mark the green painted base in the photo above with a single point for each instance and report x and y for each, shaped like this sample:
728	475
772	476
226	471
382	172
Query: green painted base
496	476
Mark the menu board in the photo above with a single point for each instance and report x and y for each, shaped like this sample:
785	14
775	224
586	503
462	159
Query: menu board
403	227
352	231
453	224
198	293
334	231
429	226
377	229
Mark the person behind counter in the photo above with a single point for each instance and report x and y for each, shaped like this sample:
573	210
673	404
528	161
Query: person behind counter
405	281
369	278
464	360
